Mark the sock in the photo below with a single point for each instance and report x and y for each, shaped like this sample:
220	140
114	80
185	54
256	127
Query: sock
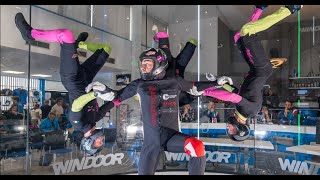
57	35
93	47
255	16
193	41
265	23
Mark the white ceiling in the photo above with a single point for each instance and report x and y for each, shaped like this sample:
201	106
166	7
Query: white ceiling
233	16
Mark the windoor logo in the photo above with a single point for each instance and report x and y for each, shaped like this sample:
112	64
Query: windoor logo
215	156
310	29
86	163
299	167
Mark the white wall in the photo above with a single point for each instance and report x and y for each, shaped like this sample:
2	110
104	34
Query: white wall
54	86
180	33
146	31
11	37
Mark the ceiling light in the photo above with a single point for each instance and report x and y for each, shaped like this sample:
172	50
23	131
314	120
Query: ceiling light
13	72
179	21
128	18
18	7
206	12
105	15
210	24
41	75
278	40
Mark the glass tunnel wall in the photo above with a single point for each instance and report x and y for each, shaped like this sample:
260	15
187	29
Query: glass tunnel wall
36	134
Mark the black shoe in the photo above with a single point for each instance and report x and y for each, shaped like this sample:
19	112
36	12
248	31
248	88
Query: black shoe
294	8
82	37
262	7
24	27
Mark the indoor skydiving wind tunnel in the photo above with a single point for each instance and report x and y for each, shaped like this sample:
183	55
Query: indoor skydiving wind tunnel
258	112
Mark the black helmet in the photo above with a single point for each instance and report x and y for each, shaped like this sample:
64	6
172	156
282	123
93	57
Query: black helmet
160	63
242	130
86	144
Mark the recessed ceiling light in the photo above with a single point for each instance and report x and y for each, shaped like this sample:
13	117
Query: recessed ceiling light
210	24
206	12
41	75
18	7
105	15
179	21
13	72
128	18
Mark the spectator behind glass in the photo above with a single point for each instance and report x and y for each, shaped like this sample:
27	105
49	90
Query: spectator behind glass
264	117
36	115
16	100
46	108
13	113
211	113
286	116
50	123
66	107
187	114
64	122
57	109
270	99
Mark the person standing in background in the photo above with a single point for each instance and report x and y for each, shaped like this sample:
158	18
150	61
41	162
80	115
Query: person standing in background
36	115
212	114
187	114
46	108
16	100
57	109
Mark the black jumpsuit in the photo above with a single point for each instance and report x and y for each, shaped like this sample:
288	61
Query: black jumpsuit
159	104
260	70
178	65
75	77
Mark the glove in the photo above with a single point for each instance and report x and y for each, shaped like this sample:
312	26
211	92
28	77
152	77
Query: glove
105	96
223	80
195	92
211	77
96	86
160	35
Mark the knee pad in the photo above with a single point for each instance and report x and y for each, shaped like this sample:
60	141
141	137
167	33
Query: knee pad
194	147
65	35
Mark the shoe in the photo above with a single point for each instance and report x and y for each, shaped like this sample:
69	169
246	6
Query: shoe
24	27
262	7
82	37
294	8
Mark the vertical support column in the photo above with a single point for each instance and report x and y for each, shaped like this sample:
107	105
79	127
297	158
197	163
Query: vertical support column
42	88
135	37
299	73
